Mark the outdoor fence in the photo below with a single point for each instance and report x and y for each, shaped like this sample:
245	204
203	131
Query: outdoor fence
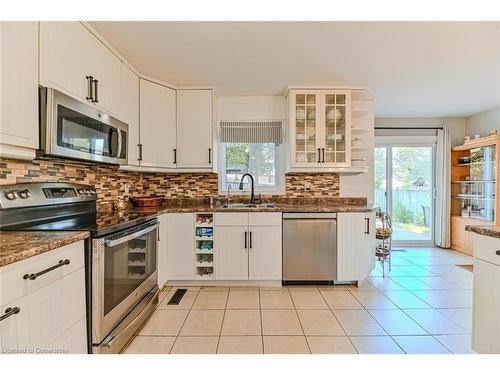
409	206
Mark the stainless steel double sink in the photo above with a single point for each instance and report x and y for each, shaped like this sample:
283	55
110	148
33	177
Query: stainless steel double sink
249	206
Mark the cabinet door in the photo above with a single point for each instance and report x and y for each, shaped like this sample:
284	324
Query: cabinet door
157	129
18	87
305	135
335	128
106	69
230	254
355	252
45	314
194	128
162	252
180	246
62	65
486	330
130	111
264	259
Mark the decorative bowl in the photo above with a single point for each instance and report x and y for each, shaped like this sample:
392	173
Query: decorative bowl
147	201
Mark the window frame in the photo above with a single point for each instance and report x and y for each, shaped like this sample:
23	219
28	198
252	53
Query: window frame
279	189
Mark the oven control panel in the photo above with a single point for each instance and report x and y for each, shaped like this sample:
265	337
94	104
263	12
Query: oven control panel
51	193
44	193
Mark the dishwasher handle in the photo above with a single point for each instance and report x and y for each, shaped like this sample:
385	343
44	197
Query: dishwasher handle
309	215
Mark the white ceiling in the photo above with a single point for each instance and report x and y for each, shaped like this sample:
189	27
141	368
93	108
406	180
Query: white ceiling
413	69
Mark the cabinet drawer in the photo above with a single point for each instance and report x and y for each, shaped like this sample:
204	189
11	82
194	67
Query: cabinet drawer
485	248
231	219
73	341
264	219
45	314
14	286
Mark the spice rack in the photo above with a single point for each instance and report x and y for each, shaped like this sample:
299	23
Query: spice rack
204	248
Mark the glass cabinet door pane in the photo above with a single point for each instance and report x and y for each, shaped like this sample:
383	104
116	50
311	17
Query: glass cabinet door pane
335	128
305	128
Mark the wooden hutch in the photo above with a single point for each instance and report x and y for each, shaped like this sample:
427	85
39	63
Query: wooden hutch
474	189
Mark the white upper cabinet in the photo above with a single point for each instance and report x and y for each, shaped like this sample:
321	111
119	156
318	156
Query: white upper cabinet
194	128
320	123
129	112
74	61
18	89
157	125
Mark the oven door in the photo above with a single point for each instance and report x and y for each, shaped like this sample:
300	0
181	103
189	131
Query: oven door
123	272
77	130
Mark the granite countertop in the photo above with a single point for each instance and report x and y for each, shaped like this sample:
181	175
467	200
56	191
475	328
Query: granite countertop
280	207
485	230
19	245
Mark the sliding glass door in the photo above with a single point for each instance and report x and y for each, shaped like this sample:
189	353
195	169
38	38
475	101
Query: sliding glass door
404	187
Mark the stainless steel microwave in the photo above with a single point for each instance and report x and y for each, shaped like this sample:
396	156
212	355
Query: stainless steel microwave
75	130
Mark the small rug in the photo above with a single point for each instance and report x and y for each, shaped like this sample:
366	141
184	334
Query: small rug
468	267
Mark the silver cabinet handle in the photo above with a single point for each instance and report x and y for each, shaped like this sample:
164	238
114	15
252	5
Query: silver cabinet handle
122	240
9	312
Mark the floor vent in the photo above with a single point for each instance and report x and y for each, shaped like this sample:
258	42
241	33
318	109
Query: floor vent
177	297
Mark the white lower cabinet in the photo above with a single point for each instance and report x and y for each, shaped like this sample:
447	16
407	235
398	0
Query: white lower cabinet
486	295
264	258
51	317
251	251
355	245
162	251
230	253
180	245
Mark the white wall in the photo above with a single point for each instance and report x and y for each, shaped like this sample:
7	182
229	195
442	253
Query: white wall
251	108
484	122
457	126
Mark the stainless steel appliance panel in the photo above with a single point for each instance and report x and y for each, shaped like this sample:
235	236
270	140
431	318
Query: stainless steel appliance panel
72	129
124	270
309	247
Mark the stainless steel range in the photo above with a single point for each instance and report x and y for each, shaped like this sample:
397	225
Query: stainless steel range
120	256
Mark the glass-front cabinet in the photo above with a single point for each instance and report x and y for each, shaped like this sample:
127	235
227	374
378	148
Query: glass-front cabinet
320	128
474	184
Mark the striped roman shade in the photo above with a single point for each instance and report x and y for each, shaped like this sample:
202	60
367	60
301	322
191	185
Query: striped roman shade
251	131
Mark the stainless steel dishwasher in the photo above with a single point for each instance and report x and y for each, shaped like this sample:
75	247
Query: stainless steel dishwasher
309	247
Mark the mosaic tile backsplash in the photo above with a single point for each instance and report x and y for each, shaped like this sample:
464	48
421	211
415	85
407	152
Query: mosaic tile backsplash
111	183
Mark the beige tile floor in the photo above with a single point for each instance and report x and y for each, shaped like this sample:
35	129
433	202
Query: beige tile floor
422	307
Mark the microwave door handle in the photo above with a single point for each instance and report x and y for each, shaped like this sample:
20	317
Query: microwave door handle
122	240
112	152
120	144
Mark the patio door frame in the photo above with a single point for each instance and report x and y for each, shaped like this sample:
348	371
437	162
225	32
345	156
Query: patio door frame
389	142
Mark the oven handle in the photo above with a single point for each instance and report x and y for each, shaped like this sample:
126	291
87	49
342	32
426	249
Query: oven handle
121	240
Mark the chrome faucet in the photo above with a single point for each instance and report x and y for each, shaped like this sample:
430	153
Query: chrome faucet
252	196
